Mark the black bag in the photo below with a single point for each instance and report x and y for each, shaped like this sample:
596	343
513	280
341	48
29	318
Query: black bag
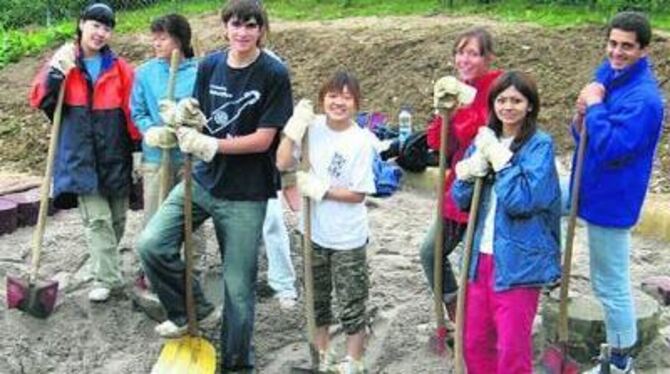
414	153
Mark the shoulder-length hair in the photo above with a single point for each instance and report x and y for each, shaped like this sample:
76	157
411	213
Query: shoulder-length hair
527	87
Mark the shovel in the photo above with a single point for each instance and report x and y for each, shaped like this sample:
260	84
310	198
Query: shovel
37	298
190	354
555	359
308	275
459	363
437	342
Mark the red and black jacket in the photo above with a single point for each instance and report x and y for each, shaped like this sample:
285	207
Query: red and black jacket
97	135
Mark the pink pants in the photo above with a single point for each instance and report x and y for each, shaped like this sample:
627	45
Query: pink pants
498	325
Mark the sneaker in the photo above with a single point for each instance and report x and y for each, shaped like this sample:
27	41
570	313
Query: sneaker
169	329
351	366
327	363
99	294
614	369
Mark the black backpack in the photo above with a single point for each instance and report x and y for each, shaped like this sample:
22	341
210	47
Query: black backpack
414	155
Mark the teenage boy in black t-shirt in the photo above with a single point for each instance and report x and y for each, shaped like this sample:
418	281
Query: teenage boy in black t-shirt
242	100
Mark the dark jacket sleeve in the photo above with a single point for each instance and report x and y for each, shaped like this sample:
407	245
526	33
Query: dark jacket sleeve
44	90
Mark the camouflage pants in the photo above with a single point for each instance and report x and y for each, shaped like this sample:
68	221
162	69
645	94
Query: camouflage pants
347	271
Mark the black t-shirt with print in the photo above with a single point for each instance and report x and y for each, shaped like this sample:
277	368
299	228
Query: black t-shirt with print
237	102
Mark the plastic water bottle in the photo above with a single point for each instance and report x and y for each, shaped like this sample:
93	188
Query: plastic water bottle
404	124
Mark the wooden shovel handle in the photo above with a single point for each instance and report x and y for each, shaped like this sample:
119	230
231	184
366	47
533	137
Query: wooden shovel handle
166	167
459	363
570	236
38	234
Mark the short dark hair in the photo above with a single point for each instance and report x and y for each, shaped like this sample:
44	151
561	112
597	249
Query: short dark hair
527	87
630	21
481	35
178	28
337	82
245	10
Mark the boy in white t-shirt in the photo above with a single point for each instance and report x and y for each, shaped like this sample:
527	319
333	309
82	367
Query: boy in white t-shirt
340	176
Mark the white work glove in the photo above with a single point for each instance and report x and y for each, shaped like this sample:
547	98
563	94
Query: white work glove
63	59
311	186
189	114
475	166
449	88
167	110
200	145
495	152
303	116
160	136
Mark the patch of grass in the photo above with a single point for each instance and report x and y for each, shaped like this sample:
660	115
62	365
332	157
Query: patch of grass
15	44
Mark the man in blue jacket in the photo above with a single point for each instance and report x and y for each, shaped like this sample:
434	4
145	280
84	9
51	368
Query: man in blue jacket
622	110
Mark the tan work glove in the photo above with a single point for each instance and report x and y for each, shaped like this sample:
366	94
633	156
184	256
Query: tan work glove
160	136
475	166
303	116
311	186
189	114
449	88
495	152
200	145
64	58
167	111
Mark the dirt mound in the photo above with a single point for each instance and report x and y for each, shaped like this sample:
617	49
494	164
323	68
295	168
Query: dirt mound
396	59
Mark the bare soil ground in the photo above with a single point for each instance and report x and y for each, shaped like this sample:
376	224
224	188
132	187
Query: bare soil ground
396	60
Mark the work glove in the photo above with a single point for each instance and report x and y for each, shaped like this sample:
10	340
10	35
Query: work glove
167	111
200	145
475	166
311	186
63	59
448	88
189	114
161	136
495	152
303	116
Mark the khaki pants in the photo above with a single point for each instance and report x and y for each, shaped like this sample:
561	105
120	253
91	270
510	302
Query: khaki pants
104	221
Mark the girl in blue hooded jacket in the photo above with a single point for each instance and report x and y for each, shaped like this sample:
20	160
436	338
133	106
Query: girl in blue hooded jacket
516	248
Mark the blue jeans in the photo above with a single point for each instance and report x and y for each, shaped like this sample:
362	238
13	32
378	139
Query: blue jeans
609	250
238	226
281	275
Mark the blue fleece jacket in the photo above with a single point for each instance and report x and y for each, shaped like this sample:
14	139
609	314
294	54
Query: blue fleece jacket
622	133
526	237
151	81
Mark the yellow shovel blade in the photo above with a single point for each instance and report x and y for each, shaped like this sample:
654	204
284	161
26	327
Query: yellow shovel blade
186	355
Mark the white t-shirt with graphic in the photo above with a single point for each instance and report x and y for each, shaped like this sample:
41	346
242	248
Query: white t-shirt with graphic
343	159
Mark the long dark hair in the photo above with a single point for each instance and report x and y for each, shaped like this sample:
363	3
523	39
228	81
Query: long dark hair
527	87
178	28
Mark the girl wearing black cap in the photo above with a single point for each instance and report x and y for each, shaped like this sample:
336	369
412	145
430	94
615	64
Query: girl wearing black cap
93	162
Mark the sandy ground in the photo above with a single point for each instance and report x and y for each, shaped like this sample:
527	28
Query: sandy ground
114	338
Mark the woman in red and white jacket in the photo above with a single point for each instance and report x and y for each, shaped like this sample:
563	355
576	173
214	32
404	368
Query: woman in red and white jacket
94	157
473	55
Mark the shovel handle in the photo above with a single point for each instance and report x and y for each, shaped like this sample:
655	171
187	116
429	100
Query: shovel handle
307	258
459	363
569	238
438	251
188	244
38	234
166	167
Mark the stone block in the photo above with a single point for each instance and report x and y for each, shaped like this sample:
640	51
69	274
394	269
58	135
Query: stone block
586	323
658	287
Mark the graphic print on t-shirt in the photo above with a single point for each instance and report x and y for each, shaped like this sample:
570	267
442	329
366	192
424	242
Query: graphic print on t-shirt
336	165
230	111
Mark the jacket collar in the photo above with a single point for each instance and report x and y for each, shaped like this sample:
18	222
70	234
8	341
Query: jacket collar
606	75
